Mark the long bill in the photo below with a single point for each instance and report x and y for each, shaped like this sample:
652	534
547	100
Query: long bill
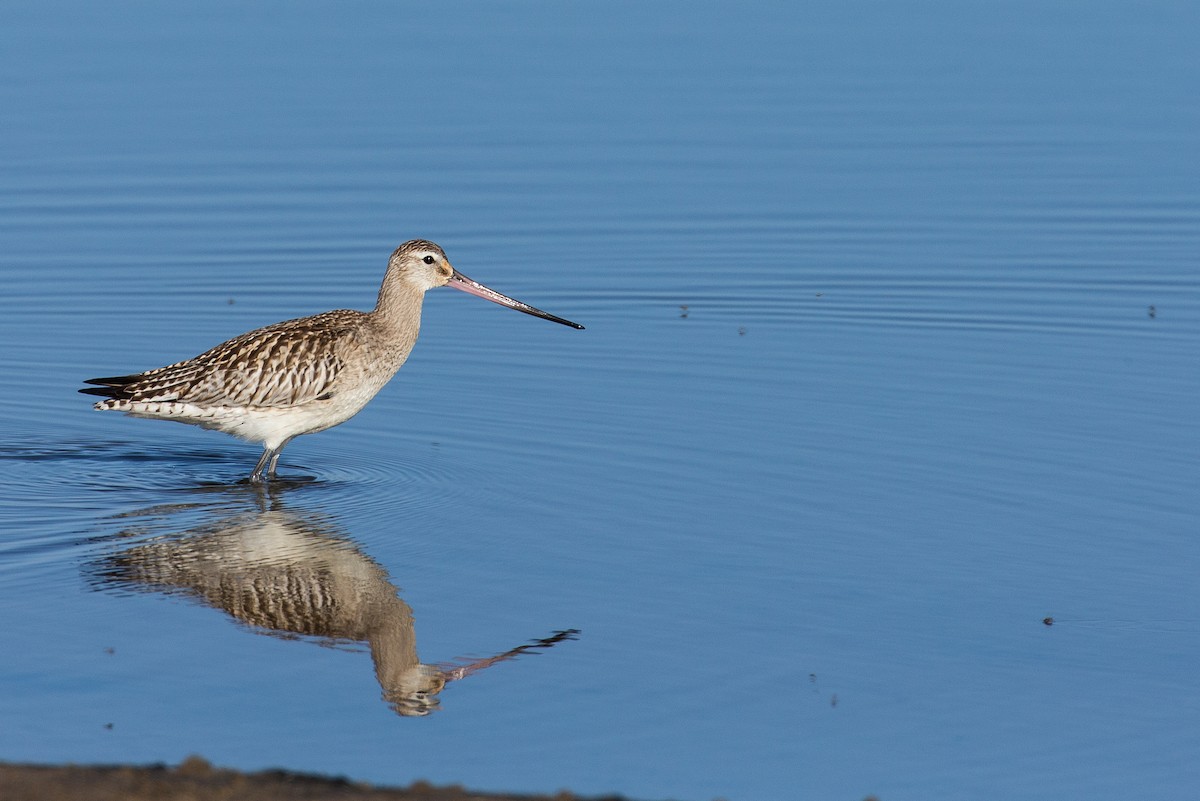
460	281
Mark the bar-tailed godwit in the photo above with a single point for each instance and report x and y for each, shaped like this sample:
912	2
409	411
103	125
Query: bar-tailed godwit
299	376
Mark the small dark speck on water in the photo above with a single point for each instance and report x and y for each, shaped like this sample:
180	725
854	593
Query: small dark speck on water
1048	621
820	294
1153	312
833	700
742	331
108	726
683	312
110	651
230	301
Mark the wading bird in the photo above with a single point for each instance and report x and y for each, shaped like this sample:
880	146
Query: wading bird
300	376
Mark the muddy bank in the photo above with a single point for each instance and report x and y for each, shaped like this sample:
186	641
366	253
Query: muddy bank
196	780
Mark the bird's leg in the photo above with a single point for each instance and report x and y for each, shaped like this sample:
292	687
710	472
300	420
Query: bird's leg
274	463
256	477
275	458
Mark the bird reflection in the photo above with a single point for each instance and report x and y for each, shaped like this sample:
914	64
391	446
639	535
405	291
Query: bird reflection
289	574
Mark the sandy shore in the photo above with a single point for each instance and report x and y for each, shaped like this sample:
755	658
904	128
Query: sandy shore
196	780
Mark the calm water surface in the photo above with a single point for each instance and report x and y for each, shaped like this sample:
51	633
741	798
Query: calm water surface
890	354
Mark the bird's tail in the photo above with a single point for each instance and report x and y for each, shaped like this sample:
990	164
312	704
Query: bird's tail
117	387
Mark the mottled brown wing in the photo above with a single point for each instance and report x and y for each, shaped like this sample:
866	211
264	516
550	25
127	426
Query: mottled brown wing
285	364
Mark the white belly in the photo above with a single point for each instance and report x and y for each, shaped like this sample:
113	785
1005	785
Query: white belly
270	426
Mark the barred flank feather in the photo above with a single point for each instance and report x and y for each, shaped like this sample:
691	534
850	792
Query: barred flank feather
282	365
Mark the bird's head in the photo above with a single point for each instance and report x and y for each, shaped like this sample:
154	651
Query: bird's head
424	265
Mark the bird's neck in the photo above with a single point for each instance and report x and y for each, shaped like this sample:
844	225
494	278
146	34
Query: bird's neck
398	310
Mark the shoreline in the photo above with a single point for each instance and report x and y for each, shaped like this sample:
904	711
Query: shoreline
196	779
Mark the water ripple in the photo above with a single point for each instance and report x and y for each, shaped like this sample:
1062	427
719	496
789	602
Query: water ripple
60	494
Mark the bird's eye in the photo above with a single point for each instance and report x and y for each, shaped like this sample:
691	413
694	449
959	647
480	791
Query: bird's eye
428	259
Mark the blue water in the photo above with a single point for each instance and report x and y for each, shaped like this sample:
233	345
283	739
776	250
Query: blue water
891	312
